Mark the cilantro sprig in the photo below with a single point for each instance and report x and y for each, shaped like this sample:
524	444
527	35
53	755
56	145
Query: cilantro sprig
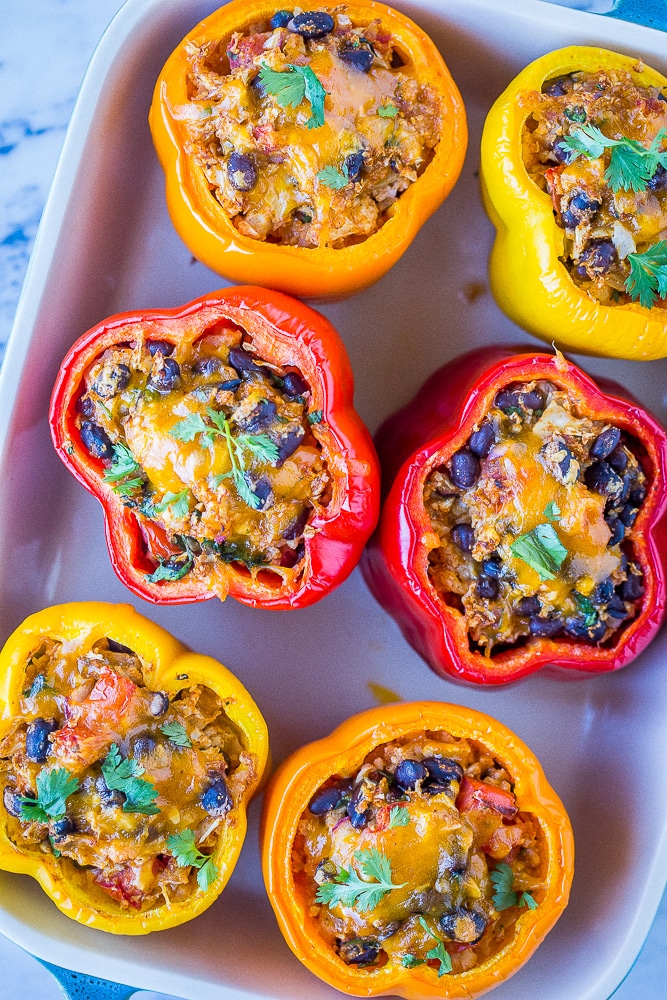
552	511
333	178
182	846
387	110
647	280
176	734
504	895
291	86
123	774
350	889
398	816
179	503
438	952
631	165
586	607
123	464
542	550
54	787
258	446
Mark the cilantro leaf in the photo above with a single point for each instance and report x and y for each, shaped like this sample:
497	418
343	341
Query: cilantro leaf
349	889
504	895
552	511
631	165
123	774
291	86
587	140
333	178
182	846
176	734
261	446
411	961
123	464
527	900
387	110
542	550
648	274
179	502
586	607
170	569
188	429
54	786
439	952
398	816
315	417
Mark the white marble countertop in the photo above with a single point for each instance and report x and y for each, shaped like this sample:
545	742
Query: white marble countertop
44	50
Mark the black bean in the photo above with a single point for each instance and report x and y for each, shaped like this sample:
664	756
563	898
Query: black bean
167	376
59	828
601	478
616	608
545	628
294	385
12	801
108	797
581	208
408	773
37	743
96	440
359	951
493	566
658	182
242	361
618	459
533	400
566	460
216	800
632	588
561	152
578	628
242	171
617	529
207	367
354	164
143	746
463	537
482	441
507	399
360	58
295	527
637	496
528	606
605	442
329	798
596	259
312	24
111	380
159	704
263	490
118	647
358	817
443	769
465	926
163	347
487	588
288	443
259	419
464	469
628	515
281	19
558	86
85	406
603	592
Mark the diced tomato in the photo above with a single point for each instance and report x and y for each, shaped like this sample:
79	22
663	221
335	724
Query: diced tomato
475	794
91	721
504	842
242	51
157	540
120	885
555	186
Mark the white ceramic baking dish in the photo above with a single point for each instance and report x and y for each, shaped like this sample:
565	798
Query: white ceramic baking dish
106	244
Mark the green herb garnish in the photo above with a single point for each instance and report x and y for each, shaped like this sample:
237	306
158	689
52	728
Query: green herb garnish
398	816
333	178
387	110
631	165
182	846
170	569
576	114
542	549
315	417
411	961
176	734
38	684
179	503
647	280
504	895
123	774
123	464
291	86
439	952
54	787
552	511
586	607
348	889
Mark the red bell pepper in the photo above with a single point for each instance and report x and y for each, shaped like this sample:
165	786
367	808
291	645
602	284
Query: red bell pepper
282	332
422	437
474	794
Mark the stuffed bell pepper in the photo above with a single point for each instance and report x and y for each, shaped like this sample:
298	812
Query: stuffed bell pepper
524	523
126	766
417	851
303	149
222	442
574	176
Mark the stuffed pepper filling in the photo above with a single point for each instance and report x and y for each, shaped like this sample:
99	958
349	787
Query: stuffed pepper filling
420	856
214	451
130	789
308	127
597	143
534	518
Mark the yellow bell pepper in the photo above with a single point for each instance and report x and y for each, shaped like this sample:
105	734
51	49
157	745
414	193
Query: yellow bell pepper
107	717
528	279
